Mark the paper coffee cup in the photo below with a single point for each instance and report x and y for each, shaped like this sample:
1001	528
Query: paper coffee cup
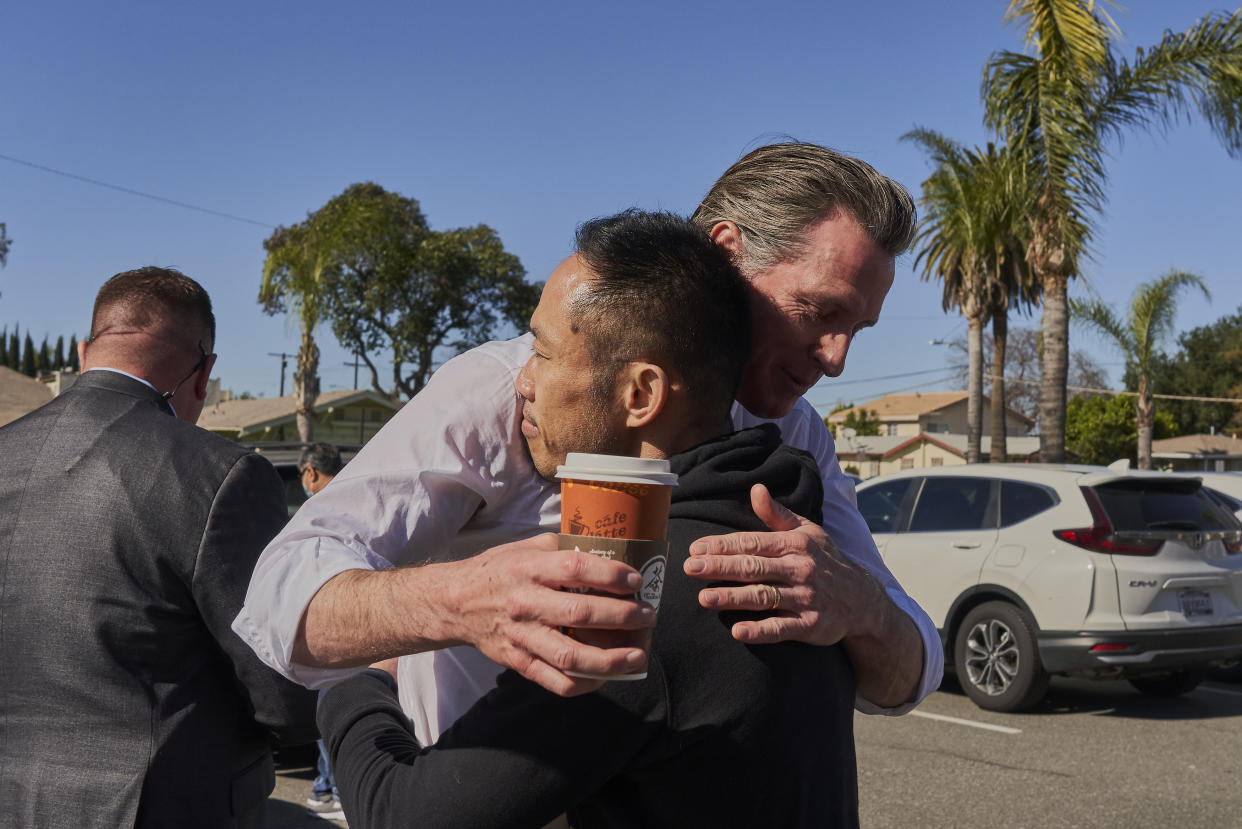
612	496
617	507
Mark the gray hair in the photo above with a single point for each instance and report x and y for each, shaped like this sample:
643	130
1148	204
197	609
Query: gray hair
775	193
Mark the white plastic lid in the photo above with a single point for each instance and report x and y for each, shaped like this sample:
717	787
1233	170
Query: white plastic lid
583	466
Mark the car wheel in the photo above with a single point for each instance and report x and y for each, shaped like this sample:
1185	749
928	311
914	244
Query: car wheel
997	659
1172	684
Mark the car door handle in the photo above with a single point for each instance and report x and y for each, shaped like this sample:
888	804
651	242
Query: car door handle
965	545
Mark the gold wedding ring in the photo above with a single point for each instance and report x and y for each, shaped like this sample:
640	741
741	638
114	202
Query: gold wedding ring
776	597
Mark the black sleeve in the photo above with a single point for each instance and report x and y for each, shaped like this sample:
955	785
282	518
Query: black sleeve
518	758
248	510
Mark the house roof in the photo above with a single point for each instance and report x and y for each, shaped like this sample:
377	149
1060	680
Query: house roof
1186	445
894	407
881	446
20	395
260	413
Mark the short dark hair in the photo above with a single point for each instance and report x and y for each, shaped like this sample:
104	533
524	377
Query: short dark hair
665	292
323	457
140	297
775	193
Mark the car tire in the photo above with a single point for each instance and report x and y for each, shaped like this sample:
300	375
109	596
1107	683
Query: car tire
997	659
1172	684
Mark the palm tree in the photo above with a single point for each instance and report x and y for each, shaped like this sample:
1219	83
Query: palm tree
1148	323
1063	105
975	206
293	272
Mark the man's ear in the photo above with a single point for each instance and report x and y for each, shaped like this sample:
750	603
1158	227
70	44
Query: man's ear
644	392
81	354
729	238
200	379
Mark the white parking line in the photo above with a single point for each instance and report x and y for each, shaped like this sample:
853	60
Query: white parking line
1004	729
1224	691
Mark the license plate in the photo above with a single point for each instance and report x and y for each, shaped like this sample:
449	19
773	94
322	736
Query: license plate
1195	602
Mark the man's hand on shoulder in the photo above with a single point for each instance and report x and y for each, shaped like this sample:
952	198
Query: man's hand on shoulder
821	597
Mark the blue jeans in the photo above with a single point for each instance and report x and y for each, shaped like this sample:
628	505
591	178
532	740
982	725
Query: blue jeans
324	783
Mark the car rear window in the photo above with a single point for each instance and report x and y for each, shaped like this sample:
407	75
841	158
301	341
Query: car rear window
880	504
1149	504
1021	501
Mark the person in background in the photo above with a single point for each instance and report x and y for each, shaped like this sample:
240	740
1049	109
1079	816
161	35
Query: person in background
318	464
127	538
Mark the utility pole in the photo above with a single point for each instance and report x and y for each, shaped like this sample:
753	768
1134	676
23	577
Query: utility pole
284	363
357	364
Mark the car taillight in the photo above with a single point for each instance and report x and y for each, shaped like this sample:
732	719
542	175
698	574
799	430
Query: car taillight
1099	536
1233	542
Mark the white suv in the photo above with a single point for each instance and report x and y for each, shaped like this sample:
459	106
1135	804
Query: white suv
1030	570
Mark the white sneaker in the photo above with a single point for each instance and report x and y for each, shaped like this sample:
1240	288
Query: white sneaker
325	806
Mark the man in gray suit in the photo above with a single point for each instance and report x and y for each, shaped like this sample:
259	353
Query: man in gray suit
127	539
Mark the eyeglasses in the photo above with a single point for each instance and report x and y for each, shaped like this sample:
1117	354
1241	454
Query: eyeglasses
202	361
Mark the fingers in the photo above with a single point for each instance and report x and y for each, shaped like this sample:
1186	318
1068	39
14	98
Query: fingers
797	535
574	569
774	515
756	597
794	566
770	630
548	654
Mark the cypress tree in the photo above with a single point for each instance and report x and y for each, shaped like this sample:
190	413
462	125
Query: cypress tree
45	355
28	358
15	350
73	353
4	347
59	357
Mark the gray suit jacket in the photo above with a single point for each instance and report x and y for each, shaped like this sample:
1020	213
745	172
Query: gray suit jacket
127	539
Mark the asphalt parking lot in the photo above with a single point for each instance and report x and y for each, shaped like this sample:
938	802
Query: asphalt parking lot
1093	754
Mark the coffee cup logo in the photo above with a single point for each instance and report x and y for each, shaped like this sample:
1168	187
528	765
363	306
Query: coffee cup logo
653	581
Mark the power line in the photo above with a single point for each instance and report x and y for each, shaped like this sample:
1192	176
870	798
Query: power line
133	192
1115	392
941	370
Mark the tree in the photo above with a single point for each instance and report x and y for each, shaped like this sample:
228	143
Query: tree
970	238
73	353
58	358
400	286
4	347
45	361
30	367
1102	429
1149	321
862	421
1064	105
1022	369
15	353
1208	363
292	280
5	244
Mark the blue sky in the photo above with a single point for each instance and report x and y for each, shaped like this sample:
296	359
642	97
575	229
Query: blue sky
529	118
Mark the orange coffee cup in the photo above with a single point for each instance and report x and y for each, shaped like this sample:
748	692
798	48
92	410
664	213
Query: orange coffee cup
617	507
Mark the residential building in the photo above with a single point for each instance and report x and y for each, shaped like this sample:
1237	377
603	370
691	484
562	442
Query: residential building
20	395
344	418
929	413
871	455
1204	453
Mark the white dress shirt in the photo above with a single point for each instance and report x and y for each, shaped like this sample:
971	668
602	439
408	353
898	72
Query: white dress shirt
448	477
